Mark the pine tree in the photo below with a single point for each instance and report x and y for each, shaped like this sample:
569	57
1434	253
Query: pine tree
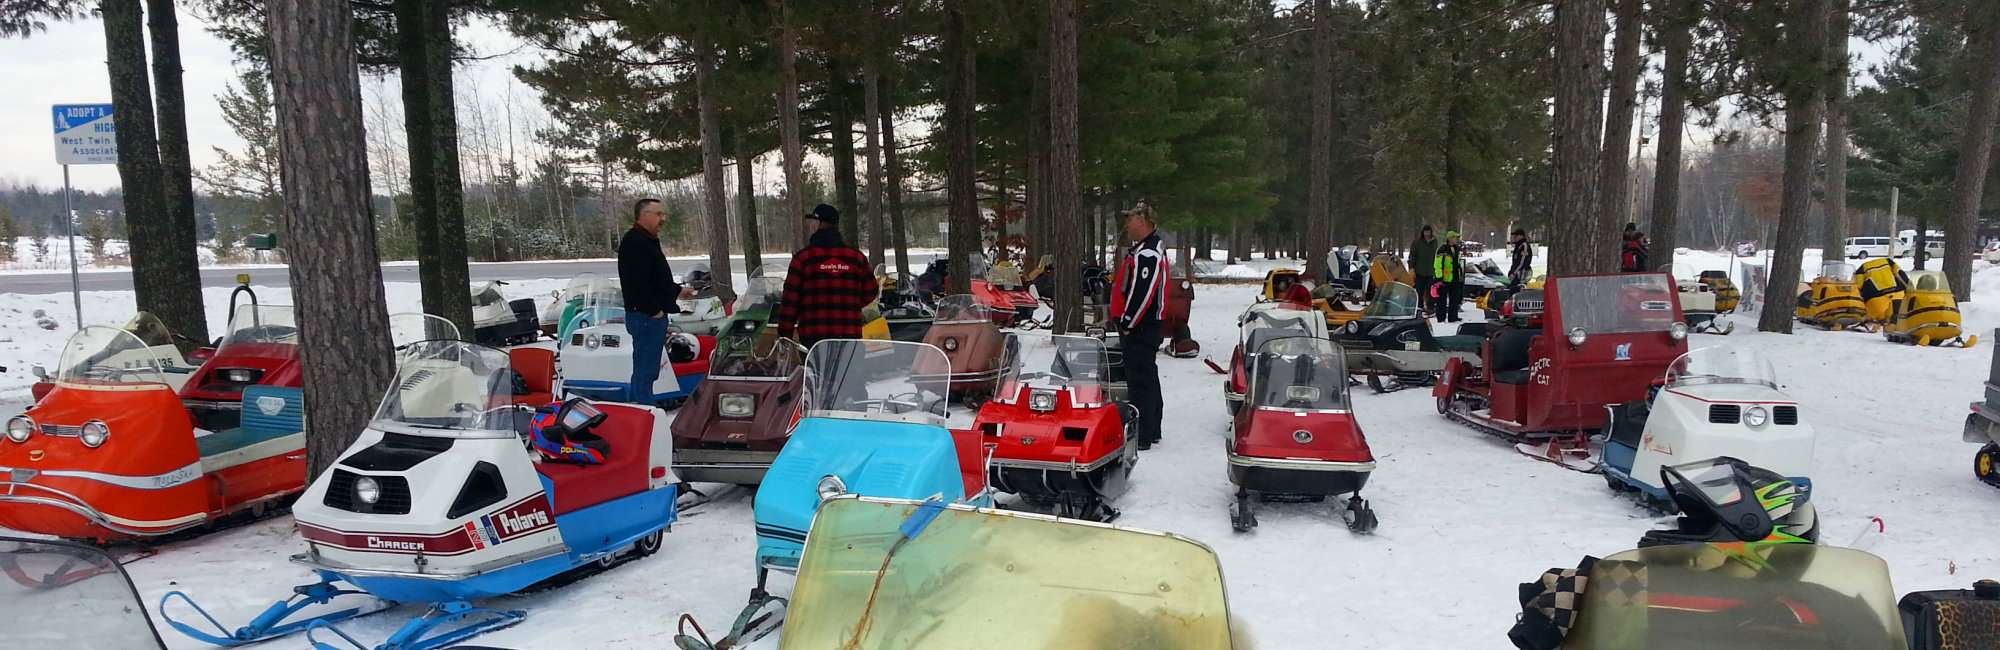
8	232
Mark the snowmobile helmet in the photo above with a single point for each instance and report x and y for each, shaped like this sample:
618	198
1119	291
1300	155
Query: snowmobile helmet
1737	507
682	347
560	432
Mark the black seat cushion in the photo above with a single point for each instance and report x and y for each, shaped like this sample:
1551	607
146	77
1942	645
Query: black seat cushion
1510	350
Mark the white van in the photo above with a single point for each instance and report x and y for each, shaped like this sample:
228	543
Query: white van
1862	248
1906	241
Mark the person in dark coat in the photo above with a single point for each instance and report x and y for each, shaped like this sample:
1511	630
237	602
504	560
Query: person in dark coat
1423	254
1634	255
1138	307
1521	260
650	294
828	284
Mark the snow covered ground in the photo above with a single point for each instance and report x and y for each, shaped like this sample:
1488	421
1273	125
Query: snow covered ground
1464	518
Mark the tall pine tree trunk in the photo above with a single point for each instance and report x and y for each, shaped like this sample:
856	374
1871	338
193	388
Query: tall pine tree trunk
1575	244
1035	147
176	170
430	125
1063	213
961	182
1677	20
746	200
1833	239
788	120
1805	110
1614	172
1975	153
1319	193
893	165
344	345
164	282
871	122
846	188
715	190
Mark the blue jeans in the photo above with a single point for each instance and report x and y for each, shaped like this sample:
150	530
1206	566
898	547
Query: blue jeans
649	339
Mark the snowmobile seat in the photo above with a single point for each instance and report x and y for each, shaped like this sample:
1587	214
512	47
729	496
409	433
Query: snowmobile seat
1510	356
971	460
537	369
629	429
269	413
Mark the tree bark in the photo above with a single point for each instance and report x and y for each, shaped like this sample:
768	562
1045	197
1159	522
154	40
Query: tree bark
344	345
746	200
430	126
871	122
164	282
1575	244
715	197
788	120
1319	195
1061	189
1975	153
959	116
893	164
177	173
1614	171
1833	240
1677	36
1805	110
846	189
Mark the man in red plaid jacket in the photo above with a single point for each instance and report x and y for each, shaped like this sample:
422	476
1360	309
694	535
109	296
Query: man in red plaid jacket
827	285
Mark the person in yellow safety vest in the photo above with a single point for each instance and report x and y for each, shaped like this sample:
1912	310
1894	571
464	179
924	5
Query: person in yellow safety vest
1449	269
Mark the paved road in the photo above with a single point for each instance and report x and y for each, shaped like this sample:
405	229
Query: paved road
277	276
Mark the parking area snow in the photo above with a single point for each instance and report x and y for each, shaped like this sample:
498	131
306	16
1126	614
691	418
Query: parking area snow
1463	517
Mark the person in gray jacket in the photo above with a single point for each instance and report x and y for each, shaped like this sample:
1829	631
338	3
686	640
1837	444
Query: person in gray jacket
1423	252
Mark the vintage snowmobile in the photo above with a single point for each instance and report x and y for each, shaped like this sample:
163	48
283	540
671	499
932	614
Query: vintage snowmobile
1261	323
908	312
1607	337
703	314
1482	278
1059	440
1832	301
1329	299
1727	296
500	322
1698	309
1005	296
594	358
1392	346
1296	439
1982	427
1385	268
1927	314
739	417
67	595
1174	319
873	425
1881	283
453	495
972	344
1718	401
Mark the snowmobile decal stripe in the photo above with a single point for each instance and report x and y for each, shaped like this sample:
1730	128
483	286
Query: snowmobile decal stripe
520	518
1699	398
171	479
781	533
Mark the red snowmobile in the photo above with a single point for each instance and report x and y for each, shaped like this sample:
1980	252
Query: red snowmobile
965	331
1058	440
1295	438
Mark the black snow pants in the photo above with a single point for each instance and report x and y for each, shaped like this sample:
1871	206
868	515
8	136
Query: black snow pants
1142	377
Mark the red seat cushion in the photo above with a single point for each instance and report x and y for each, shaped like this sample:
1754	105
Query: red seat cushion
537	368
971	460
624	472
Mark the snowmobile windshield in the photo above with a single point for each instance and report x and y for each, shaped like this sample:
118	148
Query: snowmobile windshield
994	579
887	380
1930	281
63	595
264	324
1836	271
108	357
1722	365
1078	363
1392	300
761	292
487	294
410	327
1615	304
962	308
1689	597
448	386
589	300
765	355
1298	373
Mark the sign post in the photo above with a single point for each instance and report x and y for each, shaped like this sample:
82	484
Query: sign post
85	135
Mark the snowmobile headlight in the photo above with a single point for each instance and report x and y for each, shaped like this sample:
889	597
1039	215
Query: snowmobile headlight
1094	331
367	490
240	375
831	486
736	405
1042	401
1577	336
94	433
591	342
1756	416
19	428
1353	327
951	345
1679	331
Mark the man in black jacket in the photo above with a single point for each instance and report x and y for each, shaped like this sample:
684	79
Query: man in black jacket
1423	259
650	295
1137	309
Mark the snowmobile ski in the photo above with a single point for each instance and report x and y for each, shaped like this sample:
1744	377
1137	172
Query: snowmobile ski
272	623
1561	452
759	619
422	633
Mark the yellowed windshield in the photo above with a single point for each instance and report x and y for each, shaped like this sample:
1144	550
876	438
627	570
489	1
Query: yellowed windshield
990	579
1705	597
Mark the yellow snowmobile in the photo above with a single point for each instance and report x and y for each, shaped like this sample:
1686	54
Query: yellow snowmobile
1881	284
1330	299
1726	294
1927	314
1387	268
1832	301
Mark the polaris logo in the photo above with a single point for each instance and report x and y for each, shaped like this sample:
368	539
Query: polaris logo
519	520
511	525
394	545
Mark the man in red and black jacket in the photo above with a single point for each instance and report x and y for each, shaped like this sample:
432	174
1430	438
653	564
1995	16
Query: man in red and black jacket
827	285
1136	307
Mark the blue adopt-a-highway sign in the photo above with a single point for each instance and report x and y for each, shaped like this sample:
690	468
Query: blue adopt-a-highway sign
85	134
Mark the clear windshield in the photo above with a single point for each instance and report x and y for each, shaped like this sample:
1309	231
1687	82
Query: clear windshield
848	377
410	327
1836	271
1298	373
261	324
764	356
992	579
1930	281
760	293
1725	364
149	329
1079	363
768	271
62	595
1694	597
108	356
1266	324
962	308
1392	300
1615	304
589	300
488	294
448	385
